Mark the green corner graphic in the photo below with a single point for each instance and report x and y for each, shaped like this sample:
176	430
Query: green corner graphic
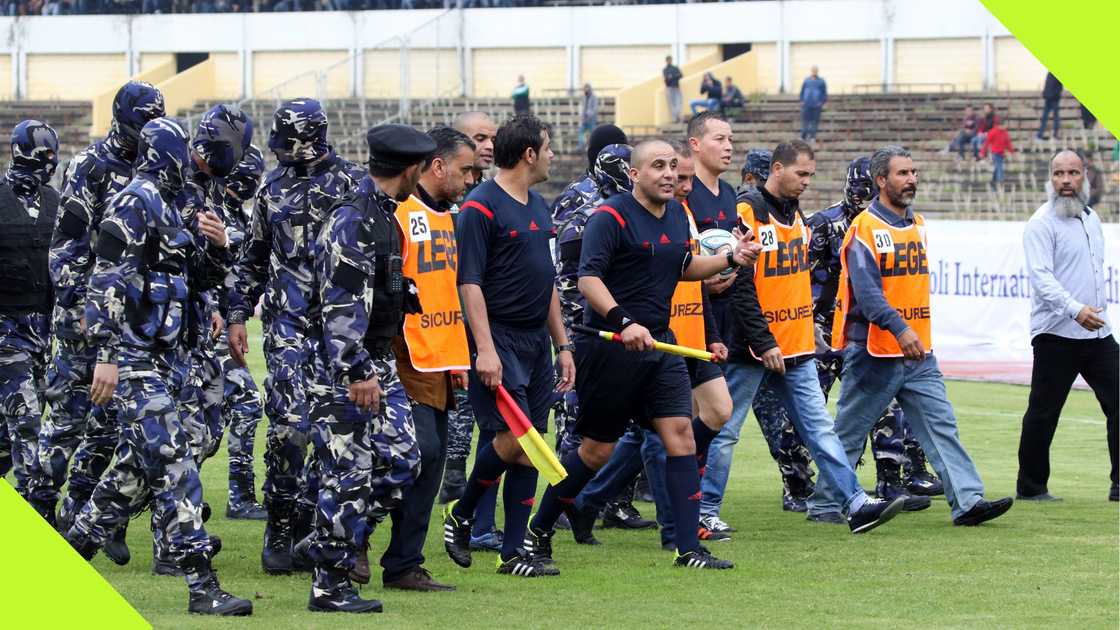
1075	45
39	566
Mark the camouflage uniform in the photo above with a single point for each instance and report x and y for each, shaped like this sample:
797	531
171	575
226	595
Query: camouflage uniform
241	400
92	179
28	207
277	262
135	310
366	457
892	444
608	177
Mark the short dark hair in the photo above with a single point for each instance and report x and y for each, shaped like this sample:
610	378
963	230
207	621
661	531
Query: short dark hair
681	148
881	159
515	135
448	142
787	153
699	123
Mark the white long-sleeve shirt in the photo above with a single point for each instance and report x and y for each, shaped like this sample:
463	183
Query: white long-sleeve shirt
1065	261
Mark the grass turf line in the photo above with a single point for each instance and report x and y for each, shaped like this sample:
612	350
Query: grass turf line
1040	565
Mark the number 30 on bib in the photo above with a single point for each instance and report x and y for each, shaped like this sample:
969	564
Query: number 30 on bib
884	244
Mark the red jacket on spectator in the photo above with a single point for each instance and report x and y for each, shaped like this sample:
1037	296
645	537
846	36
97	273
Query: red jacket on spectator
998	141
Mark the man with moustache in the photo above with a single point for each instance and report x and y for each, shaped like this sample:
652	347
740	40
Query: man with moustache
882	324
1070	332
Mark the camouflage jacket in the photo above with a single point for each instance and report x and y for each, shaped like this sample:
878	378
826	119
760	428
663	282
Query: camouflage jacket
826	234
277	260
203	193
570	212
91	180
138	291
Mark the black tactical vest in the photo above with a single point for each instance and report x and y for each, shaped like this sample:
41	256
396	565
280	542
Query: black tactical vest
25	280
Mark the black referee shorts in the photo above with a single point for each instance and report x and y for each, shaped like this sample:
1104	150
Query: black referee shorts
700	372
616	385
527	373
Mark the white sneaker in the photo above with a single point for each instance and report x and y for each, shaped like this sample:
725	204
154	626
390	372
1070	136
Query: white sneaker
714	524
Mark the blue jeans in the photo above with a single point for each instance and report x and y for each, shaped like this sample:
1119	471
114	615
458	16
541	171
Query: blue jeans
867	386
637	447
800	391
707	103
810	120
997	172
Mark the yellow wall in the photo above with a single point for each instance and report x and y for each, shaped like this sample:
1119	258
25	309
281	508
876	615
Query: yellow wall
611	68
743	70
693	52
956	61
637	106
6	77
766	58
272	68
842	64
149	61
73	77
432	72
227	75
103	103
494	70
194	84
1015	67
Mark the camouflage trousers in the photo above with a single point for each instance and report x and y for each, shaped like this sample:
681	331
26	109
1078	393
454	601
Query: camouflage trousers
296	369
154	463
241	409
22	380
366	460
783	441
460	427
564	410
74	433
200	403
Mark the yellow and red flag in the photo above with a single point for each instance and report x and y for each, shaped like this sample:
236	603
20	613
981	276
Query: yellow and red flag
542	457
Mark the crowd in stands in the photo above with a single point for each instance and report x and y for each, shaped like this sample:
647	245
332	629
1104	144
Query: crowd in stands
88	7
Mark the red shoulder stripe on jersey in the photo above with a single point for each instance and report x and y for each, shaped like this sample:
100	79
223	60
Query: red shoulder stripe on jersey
481	208
614	213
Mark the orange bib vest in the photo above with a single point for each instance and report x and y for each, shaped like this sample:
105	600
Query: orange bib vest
686	319
901	256
781	277
436	338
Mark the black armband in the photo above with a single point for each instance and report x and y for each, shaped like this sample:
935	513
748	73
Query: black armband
111	242
731	262
349	277
619	318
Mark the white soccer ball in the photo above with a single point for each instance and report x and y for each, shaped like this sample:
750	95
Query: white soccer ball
717	242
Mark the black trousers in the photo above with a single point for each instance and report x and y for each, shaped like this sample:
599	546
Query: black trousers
1057	362
411	517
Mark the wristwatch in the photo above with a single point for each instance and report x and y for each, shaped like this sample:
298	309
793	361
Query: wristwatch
570	347
731	262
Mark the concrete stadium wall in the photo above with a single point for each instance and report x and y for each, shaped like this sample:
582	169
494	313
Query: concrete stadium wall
556	47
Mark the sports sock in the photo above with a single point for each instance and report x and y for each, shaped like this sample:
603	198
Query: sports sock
563	493
682	479
487	471
703	437
517	497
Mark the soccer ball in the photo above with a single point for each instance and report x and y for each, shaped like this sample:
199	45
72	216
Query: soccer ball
717	242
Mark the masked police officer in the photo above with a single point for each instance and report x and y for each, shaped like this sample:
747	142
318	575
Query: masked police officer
362	429
28	206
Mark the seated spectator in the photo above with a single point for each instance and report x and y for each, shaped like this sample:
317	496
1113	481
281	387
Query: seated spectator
988	120
713	91
969	128
732	96
997	143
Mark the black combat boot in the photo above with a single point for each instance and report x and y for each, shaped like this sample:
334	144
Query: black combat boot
454	483
116	548
332	591
889	486
207	597
276	555
918	479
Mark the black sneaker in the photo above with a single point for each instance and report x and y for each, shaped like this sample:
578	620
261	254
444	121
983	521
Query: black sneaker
623	515
538	546
701	559
457	536
343	599
873	513
583	524
522	566
984	511
246	511
116	548
210	599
